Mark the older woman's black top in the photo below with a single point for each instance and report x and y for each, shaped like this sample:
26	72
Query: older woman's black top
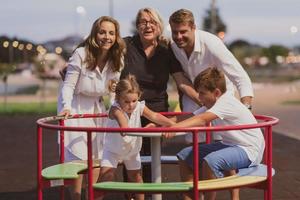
152	74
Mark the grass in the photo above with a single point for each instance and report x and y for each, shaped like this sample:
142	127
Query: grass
295	102
28	108
38	108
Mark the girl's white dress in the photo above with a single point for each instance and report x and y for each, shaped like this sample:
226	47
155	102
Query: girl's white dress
125	146
81	93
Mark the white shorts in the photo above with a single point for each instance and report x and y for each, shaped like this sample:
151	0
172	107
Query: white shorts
110	159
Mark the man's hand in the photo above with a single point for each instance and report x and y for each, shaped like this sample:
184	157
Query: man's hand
247	101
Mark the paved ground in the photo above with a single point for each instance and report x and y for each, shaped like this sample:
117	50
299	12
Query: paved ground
18	149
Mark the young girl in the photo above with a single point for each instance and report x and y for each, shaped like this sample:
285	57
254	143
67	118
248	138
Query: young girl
126	112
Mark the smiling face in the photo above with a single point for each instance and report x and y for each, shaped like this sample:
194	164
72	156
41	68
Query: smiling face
106	35
148	29
128	101
208	98
183	35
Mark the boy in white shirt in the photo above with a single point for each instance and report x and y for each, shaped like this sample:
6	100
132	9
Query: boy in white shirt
238	148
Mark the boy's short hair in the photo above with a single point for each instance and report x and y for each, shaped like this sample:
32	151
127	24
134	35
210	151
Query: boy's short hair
210	79
182	16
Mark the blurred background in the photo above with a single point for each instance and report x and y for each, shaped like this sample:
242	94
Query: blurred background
37	38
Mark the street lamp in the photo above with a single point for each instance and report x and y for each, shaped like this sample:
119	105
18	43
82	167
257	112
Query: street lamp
6	44
80	10
58	50
111	8
294	31
213	17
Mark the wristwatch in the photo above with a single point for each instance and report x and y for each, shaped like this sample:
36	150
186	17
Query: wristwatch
249	106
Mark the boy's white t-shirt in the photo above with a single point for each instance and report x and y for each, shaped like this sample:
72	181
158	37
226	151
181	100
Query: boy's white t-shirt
231	111
128	145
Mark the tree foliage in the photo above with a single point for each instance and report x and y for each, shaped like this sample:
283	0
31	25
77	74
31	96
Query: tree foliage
275	50
207	22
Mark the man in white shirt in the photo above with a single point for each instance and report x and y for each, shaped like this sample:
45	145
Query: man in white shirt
196	49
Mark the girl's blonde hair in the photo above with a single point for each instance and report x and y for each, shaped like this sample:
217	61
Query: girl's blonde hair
127	85
116	52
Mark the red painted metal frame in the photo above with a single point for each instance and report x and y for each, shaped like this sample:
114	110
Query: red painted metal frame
267	123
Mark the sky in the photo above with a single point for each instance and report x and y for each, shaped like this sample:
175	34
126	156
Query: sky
263	22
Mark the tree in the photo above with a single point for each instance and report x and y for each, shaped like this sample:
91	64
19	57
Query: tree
275	50
133	30
5	70
212	22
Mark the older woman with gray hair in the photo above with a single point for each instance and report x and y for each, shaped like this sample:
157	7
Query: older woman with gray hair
151	60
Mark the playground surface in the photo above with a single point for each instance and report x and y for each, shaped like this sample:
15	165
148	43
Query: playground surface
18	150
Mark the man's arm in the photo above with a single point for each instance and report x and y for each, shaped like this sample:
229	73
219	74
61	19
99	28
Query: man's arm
186	86
247	101
232	68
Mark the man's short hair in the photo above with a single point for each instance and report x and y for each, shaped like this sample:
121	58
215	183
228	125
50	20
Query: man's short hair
182	16
210	79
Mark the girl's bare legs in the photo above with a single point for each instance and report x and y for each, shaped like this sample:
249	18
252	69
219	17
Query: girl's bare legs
80	183
75	189
96	173
136	176
106	174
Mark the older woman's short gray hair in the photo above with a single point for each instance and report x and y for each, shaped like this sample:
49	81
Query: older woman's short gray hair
153	14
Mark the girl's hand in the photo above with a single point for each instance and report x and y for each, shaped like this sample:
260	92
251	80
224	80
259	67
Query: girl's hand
123	134
65	113
168	135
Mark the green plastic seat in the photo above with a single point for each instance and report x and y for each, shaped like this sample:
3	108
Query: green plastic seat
144	187
245	177
68	170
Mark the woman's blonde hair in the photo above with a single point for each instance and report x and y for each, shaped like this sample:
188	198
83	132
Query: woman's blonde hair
127	85
117	51
154	14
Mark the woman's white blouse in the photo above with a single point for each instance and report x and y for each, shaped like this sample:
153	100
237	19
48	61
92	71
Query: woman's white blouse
81	81
81	93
